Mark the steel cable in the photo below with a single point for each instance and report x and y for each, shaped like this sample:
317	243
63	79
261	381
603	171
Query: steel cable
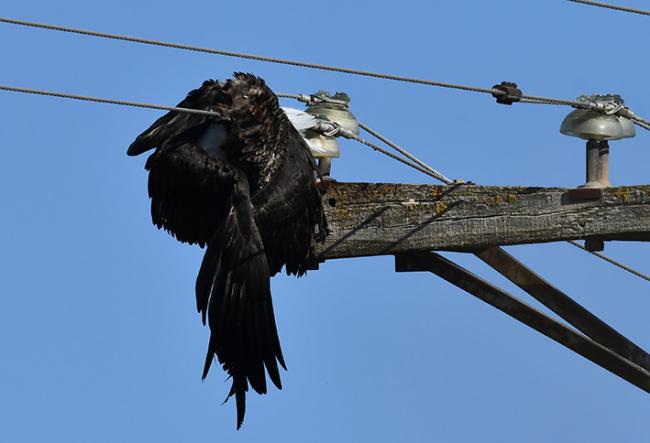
105	100
245	55
614	7
611	261
425	170
492	91
404	152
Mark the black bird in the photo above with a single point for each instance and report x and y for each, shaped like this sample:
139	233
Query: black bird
242	183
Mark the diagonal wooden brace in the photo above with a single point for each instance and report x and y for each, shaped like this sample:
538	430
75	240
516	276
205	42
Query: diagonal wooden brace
563	305
500	299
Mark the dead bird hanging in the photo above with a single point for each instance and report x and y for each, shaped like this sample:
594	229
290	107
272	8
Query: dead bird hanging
241	183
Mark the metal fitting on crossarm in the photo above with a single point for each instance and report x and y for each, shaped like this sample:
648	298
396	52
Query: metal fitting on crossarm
334	119
598	124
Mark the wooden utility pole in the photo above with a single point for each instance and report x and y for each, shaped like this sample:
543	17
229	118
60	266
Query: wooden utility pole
386	219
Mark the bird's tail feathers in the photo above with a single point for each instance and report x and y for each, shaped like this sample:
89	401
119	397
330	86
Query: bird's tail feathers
233	292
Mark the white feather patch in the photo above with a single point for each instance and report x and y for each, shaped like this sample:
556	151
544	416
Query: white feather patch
300	119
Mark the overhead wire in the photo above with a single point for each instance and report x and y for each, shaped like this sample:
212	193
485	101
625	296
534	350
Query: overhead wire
334	129
613	7
611	261
434	173
110	101
104	100
494	91
425	170
243	55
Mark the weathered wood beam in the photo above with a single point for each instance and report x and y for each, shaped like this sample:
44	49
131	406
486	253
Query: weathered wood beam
378	218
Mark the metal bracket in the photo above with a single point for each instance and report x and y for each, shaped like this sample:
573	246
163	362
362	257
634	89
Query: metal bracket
507	93
584	194
600	343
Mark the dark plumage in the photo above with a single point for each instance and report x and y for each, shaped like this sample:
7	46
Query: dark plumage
243	184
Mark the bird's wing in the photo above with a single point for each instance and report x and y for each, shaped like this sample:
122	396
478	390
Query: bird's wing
188	195
291	223
233	290
180	127
245	108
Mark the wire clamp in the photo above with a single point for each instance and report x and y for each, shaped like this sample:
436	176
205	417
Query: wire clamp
507	93
336	130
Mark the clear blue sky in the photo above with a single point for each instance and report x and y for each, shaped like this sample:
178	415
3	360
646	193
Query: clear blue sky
99	334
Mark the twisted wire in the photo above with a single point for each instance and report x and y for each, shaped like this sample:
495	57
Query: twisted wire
105	100
404	152
492	91
613	7
611	261
393	156
243	55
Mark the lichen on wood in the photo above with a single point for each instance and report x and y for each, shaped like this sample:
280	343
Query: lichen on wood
381	218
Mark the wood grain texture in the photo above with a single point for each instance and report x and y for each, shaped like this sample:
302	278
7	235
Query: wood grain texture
379	218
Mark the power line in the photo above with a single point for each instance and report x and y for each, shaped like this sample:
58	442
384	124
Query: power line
494	91
245	55
105	100
611	260
425	170
404	152
614	7
414	163
109	101
332	129
111	36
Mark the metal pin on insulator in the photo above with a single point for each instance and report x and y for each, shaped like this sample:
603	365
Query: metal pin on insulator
334	120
